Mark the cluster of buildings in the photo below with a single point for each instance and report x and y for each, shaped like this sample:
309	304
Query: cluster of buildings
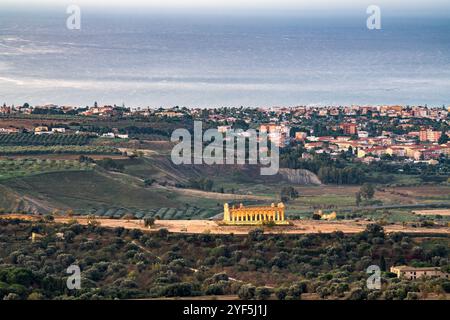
39	130
27	109
297	111
104	111
369	133
45	130
422	145
279	134
373	111
368	149
412	273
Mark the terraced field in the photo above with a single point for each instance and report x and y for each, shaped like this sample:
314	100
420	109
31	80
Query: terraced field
28	167
163	213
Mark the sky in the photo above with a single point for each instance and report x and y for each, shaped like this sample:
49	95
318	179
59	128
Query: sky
405	6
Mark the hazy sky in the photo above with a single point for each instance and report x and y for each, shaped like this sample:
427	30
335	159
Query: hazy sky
397	5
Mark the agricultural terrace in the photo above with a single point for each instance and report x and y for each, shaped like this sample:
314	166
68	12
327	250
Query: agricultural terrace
26	167
57	149
28	139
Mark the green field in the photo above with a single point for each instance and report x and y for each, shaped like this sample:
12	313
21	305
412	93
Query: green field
70	149
90	191
29	139
29	167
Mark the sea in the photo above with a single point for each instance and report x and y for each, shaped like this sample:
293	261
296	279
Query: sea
146	59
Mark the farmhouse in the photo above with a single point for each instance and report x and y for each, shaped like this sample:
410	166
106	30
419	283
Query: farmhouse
42	130
412	273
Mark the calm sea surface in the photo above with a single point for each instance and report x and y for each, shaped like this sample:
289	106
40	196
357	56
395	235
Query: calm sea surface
187	60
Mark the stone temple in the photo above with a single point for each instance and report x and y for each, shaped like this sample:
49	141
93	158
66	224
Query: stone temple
254	215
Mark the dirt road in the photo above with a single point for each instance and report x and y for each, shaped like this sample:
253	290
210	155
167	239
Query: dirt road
214	227
441	212
297	227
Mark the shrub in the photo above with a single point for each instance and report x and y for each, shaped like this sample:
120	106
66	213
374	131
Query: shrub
247	292
263	293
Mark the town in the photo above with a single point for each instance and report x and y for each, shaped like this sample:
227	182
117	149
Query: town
363	133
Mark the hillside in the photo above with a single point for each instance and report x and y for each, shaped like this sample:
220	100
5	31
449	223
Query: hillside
114	193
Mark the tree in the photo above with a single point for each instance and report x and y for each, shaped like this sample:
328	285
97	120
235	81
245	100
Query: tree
256	234
70	213
215	289
382	263
149	221
443	138
375	230
148	182
288	193
358	199
110	164
49	218
316	216
357	294
367	191
296	289
281	293
446	286
263	293
35	296
92	221
247	292
11	296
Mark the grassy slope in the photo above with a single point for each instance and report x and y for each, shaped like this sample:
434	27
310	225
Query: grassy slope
102	189
84	189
